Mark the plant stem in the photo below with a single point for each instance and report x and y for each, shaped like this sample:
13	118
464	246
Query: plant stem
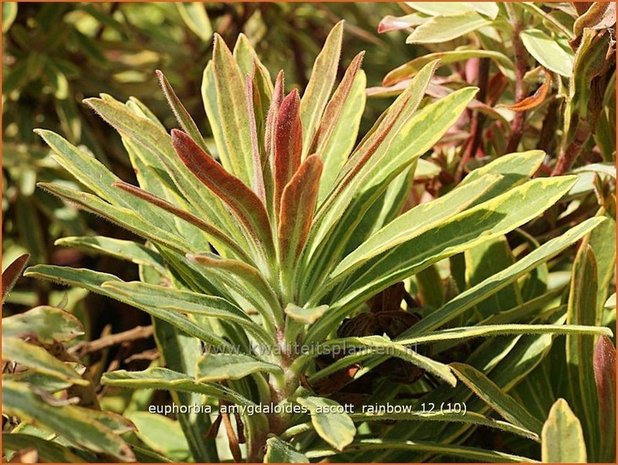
521	59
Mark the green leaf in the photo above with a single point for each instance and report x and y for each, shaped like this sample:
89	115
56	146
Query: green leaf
499	400
481	291
222	367
409	414
9	13
411	68
182	115
336	136
162	378
547	52
278	451
225	98
504	329
93	281
177	302
330	421
305	315
582	309
117	248
320	85
444	28
195	16
455	451
562	438
47	451
471	227
161	434
39	360
74	423
45	324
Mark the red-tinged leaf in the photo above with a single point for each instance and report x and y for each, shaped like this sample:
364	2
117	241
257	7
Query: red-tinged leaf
336	104
397	23
214	234
12	274
605	378
271	118
182	115
242	201
535	99
288	143
297	209
258	178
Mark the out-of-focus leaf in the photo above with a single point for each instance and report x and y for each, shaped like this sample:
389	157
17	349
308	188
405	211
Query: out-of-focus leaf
195	16
535	99
444	28
9	13
76	424
278	451
48	451
45	324
12	273
395	23
547	51
161	434
605	380
582	309
562	439
410	68
330	421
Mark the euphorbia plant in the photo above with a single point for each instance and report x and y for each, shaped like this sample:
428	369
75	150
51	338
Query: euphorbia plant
260	245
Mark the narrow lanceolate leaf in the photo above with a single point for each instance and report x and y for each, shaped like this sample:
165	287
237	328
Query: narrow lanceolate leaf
244	203
39	360
217	236
418	220
44	324
175	301
123	217
494	283
93	281
233	140
498	399
12	273
256	158
297	207
288	143
409	69
323	75
245	280
222	367
278	451
117	248
337	429
605	380
47	450
562	439
169	380
443	28
489	219
305	315
504	329
73	423
455	451
182	115
582	310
